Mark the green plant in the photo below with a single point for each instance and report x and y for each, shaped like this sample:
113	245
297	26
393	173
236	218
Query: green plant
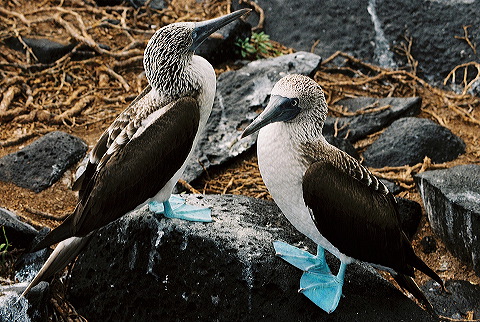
4	246
257	46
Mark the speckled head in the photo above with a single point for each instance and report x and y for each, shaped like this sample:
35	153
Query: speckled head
309	94
171	48
294	99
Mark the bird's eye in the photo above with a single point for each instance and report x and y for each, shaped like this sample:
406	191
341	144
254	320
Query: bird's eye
194	34
294	102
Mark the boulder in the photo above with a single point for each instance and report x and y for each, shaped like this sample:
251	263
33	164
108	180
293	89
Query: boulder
19	234
437	53
371	30
370	115
452	202
464	298
339	25
392	186
38	300
13	308
409	140
241	95
147	268
40	164
20	309
45	50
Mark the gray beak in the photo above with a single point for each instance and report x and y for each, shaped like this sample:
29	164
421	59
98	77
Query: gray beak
279	109
206	28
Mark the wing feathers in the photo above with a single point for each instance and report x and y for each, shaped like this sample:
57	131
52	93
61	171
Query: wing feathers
344	207
134	172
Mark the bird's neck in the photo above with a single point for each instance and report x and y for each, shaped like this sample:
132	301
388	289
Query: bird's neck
170	77
306	128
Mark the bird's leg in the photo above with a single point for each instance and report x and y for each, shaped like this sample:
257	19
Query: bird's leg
302	259
324	290
175	207
317	282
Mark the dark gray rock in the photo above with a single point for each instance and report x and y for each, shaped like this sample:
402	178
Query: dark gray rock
19	234
464	298
343	144
409	140
410	214
392	186
149	269
155	4
222	47
47	51
358	126
241	95
40	164
339	25
13	308
27	265
452	201
370	30
20	309
428	244
38	300
437	53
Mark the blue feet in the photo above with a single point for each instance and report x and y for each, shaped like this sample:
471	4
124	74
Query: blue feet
317	282
302	259
325	290
175	207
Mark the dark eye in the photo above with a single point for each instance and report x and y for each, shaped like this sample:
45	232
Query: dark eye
294	102
194	34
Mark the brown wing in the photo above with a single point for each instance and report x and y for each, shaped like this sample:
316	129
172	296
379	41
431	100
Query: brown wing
356	214
134	173
105	141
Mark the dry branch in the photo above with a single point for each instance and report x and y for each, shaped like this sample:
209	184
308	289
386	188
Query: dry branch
8	97
75	110
116	76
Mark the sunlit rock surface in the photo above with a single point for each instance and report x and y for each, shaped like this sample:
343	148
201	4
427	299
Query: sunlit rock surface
452	202
146	268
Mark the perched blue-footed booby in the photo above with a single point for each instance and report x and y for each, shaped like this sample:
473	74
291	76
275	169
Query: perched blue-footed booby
328	196
143	153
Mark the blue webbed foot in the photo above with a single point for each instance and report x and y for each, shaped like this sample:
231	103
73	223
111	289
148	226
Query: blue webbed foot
175	207
317	282
302	259
325	290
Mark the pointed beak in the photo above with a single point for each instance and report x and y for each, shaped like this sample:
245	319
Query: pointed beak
206	28
279	109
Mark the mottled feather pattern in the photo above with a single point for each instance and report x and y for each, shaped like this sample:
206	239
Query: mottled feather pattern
318	150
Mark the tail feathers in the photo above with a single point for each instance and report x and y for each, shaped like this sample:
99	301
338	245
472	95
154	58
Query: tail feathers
64	253
420	265
407	283
60	233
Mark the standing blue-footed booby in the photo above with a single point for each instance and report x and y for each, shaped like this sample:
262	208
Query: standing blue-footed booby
143	153
328	196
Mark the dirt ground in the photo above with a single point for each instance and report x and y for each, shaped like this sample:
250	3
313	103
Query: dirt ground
82	97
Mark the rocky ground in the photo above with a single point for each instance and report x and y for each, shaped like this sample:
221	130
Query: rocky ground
81	91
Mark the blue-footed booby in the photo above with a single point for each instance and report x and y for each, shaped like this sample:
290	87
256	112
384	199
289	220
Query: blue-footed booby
328	196
143	153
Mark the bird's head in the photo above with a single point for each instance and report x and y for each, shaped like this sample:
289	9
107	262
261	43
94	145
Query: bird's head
171	48
294	99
